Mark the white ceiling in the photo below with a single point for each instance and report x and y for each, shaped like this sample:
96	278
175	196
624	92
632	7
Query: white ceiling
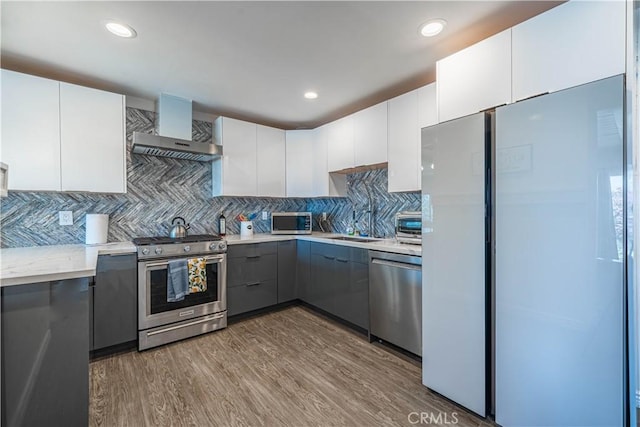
250	60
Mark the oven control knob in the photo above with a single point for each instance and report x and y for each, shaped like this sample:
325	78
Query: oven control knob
187	248
158	251
222	246
145	251
212	247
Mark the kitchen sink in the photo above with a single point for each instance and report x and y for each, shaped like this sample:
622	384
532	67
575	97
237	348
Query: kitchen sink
355	239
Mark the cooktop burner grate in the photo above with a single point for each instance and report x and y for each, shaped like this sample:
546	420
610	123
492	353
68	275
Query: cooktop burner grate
163	240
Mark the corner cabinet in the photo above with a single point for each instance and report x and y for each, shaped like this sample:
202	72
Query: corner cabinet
476	78
575	43
306	165
253	160
287	260
62	137
299	163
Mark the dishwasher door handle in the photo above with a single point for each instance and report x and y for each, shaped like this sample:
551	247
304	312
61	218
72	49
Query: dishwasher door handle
396	264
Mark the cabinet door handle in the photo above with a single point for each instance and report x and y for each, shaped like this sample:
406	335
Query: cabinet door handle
253	257
252	284
342	260
329	257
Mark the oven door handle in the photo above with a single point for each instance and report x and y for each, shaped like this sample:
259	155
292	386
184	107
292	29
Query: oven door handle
218	258
184	325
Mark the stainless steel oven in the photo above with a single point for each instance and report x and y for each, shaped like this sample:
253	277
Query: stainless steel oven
160	321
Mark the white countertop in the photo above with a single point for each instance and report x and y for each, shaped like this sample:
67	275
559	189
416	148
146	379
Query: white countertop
384	245
36	264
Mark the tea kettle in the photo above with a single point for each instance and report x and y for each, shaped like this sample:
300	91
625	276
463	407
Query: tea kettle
179	228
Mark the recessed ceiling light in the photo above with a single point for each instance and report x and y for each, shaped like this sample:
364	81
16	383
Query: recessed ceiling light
120	30
432	27
310	95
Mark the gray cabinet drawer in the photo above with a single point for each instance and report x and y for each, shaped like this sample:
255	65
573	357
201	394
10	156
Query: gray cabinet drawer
241	299
252	249
330	251
251	269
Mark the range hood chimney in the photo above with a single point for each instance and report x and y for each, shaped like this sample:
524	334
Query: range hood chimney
174	128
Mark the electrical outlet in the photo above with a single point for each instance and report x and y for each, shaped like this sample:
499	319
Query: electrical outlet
324	216
65	217
265	215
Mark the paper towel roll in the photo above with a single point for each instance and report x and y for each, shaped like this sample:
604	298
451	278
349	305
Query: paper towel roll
97	228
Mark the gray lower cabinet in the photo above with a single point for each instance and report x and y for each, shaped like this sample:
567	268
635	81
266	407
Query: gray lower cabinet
252	277
334	278
353	298
303	269
45	354
287	290
339	282
113	300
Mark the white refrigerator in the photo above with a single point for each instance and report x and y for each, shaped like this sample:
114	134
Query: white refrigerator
524	225
560	258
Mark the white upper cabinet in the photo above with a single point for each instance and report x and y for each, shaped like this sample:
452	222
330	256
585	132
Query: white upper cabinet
300	161
340	144
571	44
31	132
92	135
427	107
253	163
271	165
370	135
408	114
404	143
62	137
325	183
307	174
476	78
235	174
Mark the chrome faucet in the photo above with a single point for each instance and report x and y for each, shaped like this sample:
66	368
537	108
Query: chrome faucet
370	211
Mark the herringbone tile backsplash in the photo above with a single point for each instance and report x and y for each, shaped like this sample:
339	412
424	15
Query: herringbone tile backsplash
159	189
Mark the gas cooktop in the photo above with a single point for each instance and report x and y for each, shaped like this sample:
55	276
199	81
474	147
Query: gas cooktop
165	240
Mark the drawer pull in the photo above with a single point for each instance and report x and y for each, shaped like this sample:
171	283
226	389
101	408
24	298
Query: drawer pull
342	260
253	257
253	284
329	257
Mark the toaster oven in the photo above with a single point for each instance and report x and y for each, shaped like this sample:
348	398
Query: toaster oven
409	227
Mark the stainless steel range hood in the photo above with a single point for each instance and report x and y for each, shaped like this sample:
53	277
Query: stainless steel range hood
164	146
174	139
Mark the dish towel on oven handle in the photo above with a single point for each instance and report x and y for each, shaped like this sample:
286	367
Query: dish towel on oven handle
197	275
177	280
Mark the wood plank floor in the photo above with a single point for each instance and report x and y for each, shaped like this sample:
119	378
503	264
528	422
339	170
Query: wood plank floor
287	368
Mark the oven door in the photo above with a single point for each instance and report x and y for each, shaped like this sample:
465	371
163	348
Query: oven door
153	308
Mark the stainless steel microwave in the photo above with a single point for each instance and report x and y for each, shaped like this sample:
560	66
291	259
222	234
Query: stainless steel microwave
409	227
291	223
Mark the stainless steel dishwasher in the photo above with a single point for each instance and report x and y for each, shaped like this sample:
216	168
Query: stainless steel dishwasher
395	299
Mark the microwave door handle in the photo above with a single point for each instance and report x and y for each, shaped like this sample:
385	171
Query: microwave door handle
217	259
